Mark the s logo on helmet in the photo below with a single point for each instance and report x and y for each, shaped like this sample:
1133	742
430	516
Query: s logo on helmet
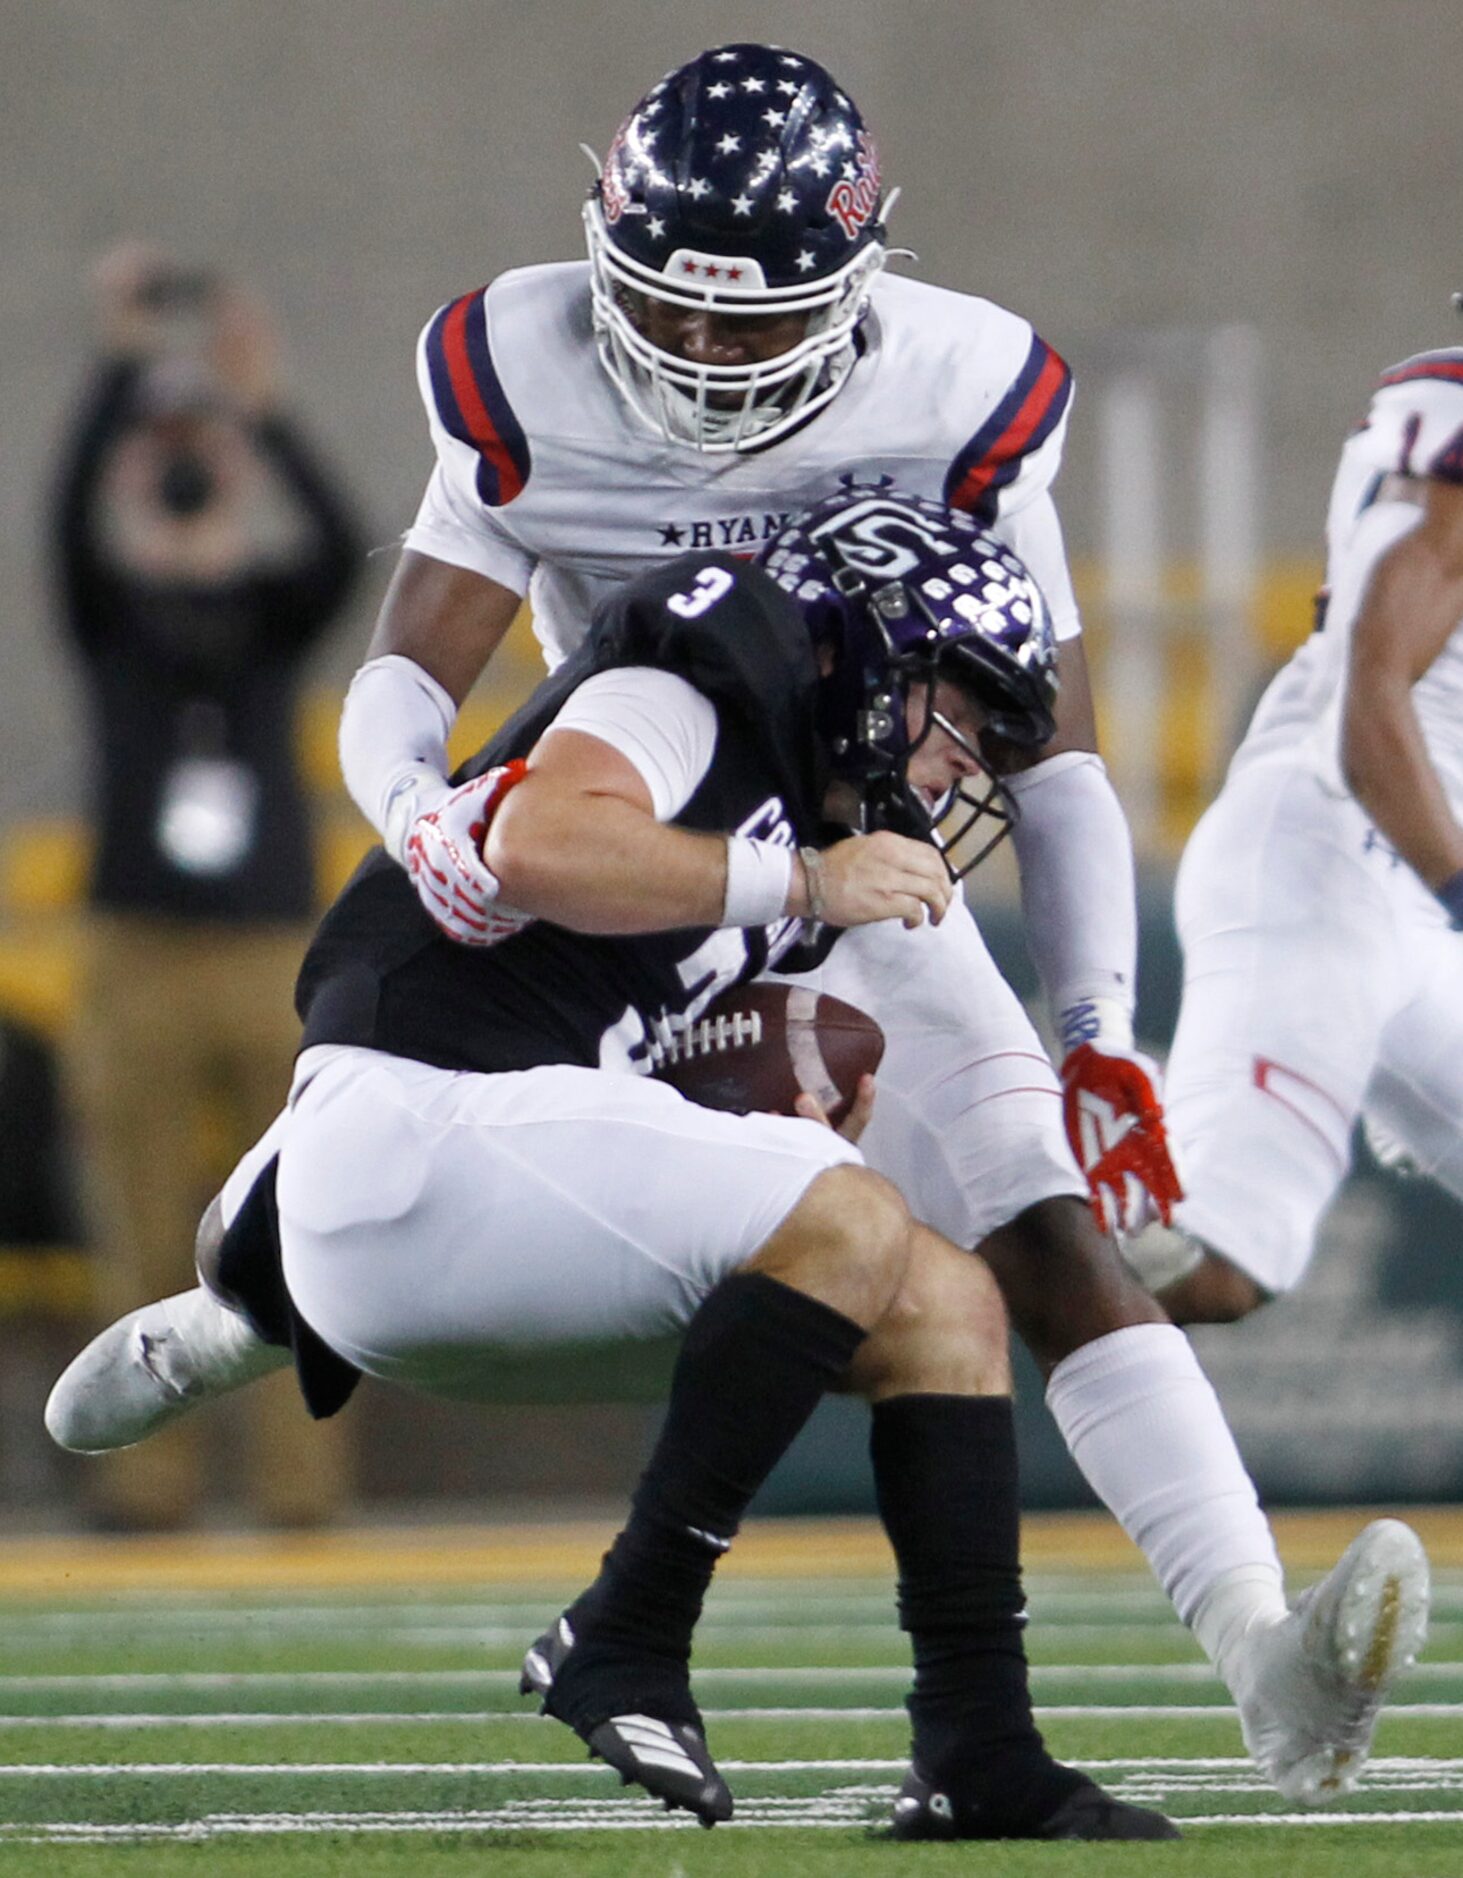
852	202
885	540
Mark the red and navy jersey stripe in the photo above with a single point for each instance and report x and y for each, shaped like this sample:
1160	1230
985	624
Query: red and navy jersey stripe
1443	364
1020	423
470	399
1447	464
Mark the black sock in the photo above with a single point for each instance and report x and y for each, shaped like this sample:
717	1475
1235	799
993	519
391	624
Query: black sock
945	1476
756	1359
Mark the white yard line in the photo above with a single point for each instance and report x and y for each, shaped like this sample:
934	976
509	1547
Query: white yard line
1135	1711
810	1676
1215	1773
803	1815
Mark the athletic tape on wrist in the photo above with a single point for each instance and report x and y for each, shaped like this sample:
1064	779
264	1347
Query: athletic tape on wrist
1095	1020
758	875
813	873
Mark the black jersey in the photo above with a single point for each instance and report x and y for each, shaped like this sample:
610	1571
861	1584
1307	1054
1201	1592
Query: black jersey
380	974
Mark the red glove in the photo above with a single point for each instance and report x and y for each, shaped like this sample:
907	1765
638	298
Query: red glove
444	856
1114	1119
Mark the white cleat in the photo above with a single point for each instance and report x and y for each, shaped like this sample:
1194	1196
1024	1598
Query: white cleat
1311	1686
152	1366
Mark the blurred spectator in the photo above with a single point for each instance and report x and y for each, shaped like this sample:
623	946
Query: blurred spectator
201	553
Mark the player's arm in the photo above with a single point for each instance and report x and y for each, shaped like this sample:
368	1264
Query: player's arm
439	625
455	591
577	841
1413	604
448	620
1079	901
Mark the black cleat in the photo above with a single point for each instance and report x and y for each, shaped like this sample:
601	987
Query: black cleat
670	1761
922	1812
668	1758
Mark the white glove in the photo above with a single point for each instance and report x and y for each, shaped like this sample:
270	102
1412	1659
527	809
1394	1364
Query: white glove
1114	1116
444	857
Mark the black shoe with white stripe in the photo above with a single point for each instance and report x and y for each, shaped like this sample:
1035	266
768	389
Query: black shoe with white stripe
923	1811
668	1757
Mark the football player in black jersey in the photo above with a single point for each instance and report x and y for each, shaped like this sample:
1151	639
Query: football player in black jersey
470	1158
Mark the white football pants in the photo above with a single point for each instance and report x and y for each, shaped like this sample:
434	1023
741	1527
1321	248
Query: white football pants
1321	981
427	1215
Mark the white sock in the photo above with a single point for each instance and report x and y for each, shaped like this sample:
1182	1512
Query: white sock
1145	1426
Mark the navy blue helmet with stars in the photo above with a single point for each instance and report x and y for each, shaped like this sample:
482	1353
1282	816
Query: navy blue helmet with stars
744	183
904	592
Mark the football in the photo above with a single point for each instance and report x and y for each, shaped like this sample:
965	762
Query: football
758	1047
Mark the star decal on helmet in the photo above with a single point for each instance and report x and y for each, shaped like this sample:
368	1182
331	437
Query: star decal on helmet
733	203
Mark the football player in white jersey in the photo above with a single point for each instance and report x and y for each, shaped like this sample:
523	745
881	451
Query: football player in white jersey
730	353
1320	897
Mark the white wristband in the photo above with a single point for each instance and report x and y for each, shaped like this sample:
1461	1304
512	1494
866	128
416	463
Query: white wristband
758	876
393	744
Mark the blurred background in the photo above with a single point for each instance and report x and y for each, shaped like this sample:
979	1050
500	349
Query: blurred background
1230	221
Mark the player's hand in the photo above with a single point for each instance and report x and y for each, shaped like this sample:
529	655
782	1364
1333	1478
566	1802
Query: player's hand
119	281
857	1119
883	876
444	856
1114	1116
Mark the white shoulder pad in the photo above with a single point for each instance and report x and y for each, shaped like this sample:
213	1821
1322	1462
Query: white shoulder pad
1415	425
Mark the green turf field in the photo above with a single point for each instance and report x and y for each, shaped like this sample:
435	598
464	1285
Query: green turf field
372	1731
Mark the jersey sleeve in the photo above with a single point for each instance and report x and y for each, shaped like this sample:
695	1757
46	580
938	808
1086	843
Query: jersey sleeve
1417	417
1013	456
452	528
483	458
656	720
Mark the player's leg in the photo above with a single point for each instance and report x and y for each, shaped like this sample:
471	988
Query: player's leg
766	1344
976	1098
1287	909
427	1220
1414	1103
936	1370
155	1364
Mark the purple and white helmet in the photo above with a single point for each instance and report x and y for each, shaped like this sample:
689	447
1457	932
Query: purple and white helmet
903	592
746	183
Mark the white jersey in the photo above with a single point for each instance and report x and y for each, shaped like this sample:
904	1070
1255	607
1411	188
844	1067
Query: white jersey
546	483
1414	429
